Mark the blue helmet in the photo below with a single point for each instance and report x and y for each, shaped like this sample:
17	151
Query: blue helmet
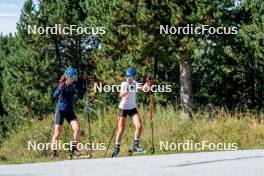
71	72
131	72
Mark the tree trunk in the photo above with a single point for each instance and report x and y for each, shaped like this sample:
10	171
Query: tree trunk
57	51
2	111
252	80
155	67
186	83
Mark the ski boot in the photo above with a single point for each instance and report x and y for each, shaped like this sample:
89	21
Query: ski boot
54	153
136	148
74	151
116	151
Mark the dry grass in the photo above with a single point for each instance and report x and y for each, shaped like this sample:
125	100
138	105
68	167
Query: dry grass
246	129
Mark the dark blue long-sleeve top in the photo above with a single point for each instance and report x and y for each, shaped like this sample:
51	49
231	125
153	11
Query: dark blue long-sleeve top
69	94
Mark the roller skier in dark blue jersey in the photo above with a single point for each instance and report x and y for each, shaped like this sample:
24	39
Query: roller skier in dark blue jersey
67	92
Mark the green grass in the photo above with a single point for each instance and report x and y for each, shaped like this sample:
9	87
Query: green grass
246	129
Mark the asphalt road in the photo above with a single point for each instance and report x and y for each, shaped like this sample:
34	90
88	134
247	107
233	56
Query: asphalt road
234	163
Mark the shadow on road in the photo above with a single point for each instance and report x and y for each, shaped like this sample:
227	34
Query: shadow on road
214	161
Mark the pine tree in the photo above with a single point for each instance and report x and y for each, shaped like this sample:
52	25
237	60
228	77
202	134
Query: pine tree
250	53
133	38
7	46
230	71
32	71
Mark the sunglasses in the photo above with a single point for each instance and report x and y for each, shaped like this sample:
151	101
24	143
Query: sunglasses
72	79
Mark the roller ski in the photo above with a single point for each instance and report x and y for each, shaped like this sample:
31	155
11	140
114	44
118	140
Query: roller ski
75	154
136	151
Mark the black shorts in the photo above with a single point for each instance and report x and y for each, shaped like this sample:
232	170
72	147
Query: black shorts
127	112
61	115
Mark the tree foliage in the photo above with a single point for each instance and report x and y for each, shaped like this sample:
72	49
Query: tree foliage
222	70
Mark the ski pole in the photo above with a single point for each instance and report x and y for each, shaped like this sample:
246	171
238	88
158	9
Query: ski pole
48	137
152	149
88	107
90	136
119	117
151	124
112	137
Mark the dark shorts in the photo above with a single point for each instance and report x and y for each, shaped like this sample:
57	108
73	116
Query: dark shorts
61	115
128	112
